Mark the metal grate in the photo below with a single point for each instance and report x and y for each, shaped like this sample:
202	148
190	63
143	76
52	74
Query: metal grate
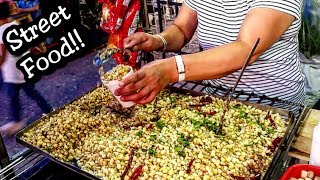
199	86
20	165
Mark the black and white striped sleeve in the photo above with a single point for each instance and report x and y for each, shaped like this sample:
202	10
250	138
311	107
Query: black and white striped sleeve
191	4
292	7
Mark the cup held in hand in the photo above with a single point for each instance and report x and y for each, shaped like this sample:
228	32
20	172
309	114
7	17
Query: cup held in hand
113	85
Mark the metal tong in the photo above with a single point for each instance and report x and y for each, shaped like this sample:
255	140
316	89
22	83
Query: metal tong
227	102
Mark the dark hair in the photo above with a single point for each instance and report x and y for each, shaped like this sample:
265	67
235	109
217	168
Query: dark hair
4	10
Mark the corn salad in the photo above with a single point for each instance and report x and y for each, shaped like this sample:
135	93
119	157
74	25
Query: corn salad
174	137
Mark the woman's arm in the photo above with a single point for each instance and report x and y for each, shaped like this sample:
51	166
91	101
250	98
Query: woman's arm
177	35
145	84
221	61
3	53
182	30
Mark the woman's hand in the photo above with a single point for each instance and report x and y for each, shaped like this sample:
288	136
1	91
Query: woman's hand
142	41
144	85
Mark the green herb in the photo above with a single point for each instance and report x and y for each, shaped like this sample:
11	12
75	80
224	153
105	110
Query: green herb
152	137
209	125
243	115
180	151
206	123
151	152
248	144
160	124
197	125
237	106
139	134
173	98
183	141
271	131
178	148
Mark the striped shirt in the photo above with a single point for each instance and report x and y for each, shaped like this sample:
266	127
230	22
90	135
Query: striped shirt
277	72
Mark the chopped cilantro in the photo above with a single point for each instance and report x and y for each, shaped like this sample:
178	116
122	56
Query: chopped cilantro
180	151
173	98
178	148
243	115
151	152
197	125
183	141
209	125
139	134
160	124
206	123
271	131
152	137
237	106
248	144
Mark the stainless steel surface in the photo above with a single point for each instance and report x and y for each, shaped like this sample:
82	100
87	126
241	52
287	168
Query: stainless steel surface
22	164
227	102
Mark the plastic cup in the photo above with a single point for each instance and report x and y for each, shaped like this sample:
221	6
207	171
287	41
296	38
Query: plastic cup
113	85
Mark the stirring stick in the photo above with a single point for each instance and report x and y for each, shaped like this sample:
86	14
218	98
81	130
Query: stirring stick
226	107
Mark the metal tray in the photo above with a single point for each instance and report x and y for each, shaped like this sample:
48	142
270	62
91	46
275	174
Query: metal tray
283	146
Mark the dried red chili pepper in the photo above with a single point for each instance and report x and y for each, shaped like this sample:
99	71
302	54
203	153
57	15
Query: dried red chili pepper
206	99
150	126
211	113
133	125
136	173
275	144
272	122
188	171
198	104
126	170
257	177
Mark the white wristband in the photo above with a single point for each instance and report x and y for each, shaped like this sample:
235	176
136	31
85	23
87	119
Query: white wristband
180	67
164	41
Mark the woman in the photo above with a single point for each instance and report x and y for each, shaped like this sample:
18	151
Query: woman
227	30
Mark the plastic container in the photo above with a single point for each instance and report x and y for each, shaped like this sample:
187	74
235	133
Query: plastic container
295	171
113	85
315	147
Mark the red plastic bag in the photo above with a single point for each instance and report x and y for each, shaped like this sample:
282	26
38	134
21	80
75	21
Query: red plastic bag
129	26
106	16
120	19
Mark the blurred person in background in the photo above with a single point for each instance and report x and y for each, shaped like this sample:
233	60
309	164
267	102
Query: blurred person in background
30	6
13	79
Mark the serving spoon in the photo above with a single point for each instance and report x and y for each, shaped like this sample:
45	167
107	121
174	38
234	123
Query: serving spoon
227	102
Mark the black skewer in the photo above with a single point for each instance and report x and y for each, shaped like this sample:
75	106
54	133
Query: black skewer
226	107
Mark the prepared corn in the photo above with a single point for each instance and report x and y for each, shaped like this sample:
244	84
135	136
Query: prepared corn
116	73
172	138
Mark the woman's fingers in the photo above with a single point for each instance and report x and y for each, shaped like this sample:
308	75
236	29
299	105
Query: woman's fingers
132	80
138	96
133	88
149	98
134	40
137	76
